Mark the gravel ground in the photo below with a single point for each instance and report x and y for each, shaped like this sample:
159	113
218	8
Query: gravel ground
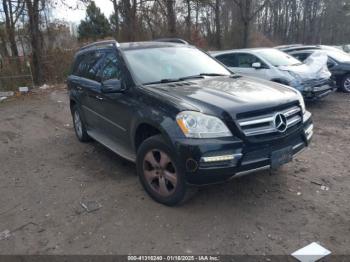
45	175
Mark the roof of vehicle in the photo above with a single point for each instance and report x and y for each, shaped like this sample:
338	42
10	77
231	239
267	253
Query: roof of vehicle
149	44
246	50
288	46
110	44
304	50
172	40
291	48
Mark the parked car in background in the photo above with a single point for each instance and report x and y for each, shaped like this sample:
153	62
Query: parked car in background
338	62
286	48
277	66
346	48
182	121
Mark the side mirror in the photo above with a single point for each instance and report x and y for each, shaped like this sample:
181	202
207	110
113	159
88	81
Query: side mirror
257	65
112	86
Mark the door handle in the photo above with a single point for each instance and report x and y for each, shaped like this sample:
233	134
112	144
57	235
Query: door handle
79	88
99	97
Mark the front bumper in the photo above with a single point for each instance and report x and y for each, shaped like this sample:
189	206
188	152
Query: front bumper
317	90
217	160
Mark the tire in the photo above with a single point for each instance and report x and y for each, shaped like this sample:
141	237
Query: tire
345	84
79	125
160	173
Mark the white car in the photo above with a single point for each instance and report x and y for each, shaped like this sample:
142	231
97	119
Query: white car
277	66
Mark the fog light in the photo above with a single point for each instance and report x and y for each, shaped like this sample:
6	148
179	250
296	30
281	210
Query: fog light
307	116
309	132
211	159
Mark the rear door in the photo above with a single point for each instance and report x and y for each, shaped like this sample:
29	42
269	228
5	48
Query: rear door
89	85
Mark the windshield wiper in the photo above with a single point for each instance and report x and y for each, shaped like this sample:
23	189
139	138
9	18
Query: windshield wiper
212	74
164	81
174	80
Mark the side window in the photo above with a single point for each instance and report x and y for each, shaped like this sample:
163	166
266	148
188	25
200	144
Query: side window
301	56
89	65
331	63
229	60
247	60
111	68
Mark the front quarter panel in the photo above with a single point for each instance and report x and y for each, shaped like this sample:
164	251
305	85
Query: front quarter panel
159	113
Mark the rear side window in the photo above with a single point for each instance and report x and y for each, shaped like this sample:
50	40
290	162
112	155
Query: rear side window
301	56
88	65
247	60
229	60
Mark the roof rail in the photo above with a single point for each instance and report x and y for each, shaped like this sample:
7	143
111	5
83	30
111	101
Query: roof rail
172	40
101	43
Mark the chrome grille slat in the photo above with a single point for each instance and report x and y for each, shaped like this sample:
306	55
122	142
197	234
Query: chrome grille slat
293	121
292	111
264	124
256	121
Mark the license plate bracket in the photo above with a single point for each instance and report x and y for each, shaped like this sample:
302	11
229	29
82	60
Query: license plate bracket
281	157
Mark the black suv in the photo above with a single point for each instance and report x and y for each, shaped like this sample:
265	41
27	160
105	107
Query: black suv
182	116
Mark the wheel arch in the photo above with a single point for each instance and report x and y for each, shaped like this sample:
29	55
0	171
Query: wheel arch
147	128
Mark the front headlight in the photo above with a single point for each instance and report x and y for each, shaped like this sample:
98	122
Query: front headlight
198	125
301	102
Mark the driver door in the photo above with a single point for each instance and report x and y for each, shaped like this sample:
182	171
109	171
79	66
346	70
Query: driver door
116	108
245	63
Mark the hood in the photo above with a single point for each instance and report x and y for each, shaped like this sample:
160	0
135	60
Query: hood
314	67
234	95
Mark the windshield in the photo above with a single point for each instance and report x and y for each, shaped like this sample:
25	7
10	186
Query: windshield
339	56
170	63
278	58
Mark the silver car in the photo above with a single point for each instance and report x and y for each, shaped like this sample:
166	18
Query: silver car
277	66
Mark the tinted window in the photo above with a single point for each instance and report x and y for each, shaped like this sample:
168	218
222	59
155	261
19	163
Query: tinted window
229	60
301	56
89	65
111	68
247	60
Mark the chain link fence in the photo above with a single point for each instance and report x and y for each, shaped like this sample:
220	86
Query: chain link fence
17	72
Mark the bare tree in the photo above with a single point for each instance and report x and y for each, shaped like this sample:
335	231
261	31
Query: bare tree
115	17
248	11
33	8
12	10
171	16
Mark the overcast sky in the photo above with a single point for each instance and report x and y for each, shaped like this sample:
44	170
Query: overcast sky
77	15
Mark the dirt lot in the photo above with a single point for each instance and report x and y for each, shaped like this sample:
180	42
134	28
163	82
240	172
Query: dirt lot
45	173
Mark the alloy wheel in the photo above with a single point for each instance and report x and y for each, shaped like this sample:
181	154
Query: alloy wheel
347	84
160	172
78	125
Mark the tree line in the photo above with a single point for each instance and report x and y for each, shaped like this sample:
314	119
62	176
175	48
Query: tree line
211	24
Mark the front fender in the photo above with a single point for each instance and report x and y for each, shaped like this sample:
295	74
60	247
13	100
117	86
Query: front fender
159	120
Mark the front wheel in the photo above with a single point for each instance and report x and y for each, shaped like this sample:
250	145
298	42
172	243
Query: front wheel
345	84
160	173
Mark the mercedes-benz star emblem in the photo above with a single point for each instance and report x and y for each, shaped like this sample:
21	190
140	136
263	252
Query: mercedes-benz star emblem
280	123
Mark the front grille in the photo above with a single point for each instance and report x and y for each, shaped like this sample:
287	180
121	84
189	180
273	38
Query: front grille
264	124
